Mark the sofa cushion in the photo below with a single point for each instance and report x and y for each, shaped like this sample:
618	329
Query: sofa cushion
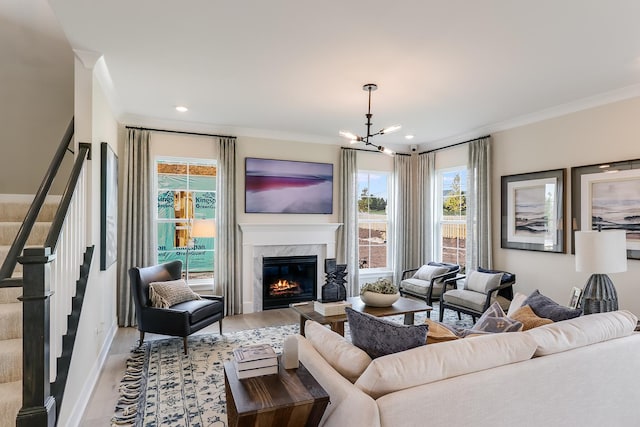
482	282
171	292
378	337
433	363
472	299
419	286
428	272
581	331
494	320
199	309
528	318
344	357
544	306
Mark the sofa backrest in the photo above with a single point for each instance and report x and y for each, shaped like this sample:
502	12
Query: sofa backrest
582	331
435	362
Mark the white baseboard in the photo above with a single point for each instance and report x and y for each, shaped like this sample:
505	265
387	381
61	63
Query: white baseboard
77	411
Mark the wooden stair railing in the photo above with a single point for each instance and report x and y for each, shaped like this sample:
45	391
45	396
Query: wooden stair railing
43	380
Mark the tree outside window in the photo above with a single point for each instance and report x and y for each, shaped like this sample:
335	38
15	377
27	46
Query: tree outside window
453	221
373	222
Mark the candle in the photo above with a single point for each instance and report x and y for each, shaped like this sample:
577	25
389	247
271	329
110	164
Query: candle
290	352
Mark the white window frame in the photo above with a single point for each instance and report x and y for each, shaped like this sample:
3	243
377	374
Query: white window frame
378	271
440	221
213	162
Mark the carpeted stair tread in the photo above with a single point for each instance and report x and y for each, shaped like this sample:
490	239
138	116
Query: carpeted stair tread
11	321
9	231
10	360
10	295
16	211
10	402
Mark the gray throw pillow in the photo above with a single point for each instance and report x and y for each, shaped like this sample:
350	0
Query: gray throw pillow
494	320
378	337
544	306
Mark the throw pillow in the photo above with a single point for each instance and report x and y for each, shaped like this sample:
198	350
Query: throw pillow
439	332
379	337
482	282
528	318
546	307
516	303
494	320
428	272
172	292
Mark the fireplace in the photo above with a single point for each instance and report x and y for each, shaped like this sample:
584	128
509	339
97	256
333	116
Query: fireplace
288	279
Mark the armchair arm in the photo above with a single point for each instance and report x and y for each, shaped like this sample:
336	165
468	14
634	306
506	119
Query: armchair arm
213	297
501	286
453	282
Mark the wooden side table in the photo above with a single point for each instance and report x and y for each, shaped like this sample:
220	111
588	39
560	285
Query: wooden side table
290	398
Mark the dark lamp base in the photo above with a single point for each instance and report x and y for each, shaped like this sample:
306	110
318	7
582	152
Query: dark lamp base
599	295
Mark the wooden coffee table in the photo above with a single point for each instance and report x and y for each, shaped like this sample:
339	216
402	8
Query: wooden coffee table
292	397
406	306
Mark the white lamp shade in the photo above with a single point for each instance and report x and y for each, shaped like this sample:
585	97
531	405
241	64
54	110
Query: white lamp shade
203	228
601	252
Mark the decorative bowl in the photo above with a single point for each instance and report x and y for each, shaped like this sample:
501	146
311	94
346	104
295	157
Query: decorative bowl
375	299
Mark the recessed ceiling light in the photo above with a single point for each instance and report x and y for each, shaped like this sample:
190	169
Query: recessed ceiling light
182	108
408	136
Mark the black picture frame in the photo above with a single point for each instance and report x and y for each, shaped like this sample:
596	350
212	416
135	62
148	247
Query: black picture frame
288	186
607	195
533	211
108	206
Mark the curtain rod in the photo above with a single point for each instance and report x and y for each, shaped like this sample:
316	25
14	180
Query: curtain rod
373	151
456	144
179	131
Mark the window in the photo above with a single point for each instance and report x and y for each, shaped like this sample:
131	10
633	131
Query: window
185	191
373	221
452	221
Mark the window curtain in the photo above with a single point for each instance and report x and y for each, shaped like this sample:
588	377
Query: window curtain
226	272
426	208
347	239
404	237
136	246
479	205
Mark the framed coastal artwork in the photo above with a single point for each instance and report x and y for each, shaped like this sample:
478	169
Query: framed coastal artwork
606	196
108	206
532	211
288	187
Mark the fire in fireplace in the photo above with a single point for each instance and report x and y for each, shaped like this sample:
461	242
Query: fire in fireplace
287	280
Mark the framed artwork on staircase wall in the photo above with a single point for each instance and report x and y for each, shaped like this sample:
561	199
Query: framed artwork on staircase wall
108	206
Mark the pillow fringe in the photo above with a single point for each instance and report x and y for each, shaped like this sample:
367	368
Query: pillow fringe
156	299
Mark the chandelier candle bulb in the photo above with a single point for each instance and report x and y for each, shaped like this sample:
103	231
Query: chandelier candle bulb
290	353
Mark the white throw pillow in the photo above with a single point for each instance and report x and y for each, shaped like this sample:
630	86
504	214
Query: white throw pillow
169	293
516	303
482	282
428	272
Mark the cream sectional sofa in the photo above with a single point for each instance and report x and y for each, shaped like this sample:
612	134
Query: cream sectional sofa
579	372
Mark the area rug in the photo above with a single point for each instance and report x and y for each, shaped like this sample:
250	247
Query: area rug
164	387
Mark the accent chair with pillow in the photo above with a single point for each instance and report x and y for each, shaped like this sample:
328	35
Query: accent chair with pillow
427	281
481	289
166	305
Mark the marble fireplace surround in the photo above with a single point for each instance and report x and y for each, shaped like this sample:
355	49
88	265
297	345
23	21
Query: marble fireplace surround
267	240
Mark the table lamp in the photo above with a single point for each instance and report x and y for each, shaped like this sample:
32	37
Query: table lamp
600	253
199	228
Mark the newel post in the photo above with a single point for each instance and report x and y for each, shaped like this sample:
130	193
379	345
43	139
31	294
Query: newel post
38	406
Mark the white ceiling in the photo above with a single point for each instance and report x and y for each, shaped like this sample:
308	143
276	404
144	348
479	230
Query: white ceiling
446	70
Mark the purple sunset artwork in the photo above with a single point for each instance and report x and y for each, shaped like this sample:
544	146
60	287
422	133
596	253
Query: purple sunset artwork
285	186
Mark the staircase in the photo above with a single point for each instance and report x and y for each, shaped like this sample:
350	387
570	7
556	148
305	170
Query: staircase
12	213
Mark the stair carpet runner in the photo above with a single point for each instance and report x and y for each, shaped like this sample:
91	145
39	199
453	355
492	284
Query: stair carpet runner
11	216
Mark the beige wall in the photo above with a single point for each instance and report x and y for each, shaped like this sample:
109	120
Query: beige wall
604	134
37	98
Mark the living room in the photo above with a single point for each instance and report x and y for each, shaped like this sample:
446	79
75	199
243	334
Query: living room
584	130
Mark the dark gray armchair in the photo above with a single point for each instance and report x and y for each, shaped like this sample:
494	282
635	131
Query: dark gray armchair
180	320
428	289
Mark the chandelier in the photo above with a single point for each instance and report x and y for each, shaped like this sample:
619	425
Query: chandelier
370	87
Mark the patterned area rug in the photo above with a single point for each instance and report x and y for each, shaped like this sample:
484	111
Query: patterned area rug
164	387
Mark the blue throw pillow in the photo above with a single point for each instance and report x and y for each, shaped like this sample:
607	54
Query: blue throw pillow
379	337
544	306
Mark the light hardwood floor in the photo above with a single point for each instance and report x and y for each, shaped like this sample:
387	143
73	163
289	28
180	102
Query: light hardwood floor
105	395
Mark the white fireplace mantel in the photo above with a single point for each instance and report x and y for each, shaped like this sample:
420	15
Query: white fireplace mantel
259	240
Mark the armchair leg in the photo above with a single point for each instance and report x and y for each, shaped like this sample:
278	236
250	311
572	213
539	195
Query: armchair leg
184	341
441	314
220	325
459	316
141	338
